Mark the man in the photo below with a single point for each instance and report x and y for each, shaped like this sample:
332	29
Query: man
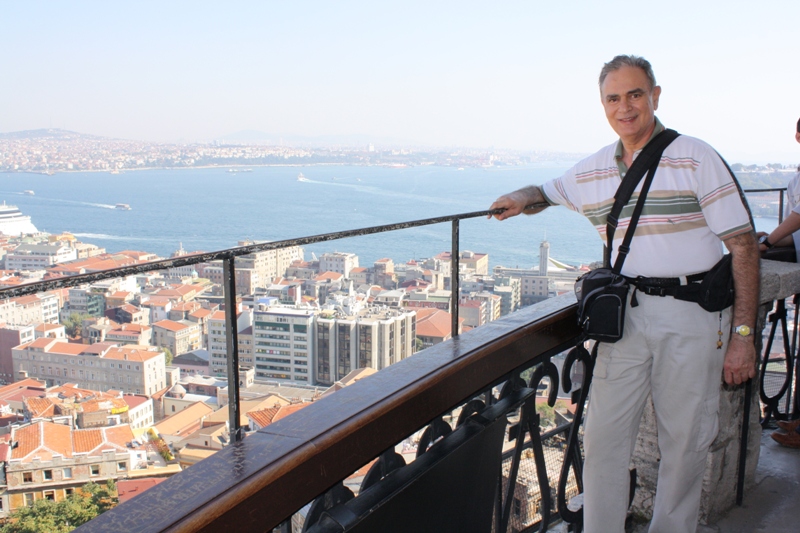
671	349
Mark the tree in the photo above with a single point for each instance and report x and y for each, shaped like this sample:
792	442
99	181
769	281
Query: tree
167	356
74	323
47	516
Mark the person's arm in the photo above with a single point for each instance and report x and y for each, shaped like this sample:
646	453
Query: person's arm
740	358
514	203
780	236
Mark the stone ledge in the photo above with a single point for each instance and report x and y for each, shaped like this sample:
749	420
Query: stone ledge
779	280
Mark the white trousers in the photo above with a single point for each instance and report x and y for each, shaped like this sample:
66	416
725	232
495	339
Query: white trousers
669	349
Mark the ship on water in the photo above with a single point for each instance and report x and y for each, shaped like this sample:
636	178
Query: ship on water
300	177
13	222
122	207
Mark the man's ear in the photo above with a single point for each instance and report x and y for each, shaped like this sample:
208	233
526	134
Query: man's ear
656	95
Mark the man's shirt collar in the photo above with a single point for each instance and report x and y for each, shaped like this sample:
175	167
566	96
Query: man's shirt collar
623	168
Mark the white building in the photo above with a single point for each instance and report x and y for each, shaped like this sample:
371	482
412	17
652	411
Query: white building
102	366
39	256
341	262
283	343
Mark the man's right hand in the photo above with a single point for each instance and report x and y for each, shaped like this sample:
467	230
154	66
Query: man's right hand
514	203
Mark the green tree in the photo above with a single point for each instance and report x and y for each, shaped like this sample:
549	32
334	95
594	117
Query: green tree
47	516
167	356
74	322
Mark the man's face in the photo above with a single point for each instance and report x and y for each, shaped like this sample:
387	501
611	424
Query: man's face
630	104
797	136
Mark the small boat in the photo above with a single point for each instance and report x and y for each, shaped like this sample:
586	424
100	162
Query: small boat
28	192
122	207
114	171
232	170
300	177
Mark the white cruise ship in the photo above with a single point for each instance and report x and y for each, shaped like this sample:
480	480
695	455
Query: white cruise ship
13	222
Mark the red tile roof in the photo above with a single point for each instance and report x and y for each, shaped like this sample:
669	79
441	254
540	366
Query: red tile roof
128	488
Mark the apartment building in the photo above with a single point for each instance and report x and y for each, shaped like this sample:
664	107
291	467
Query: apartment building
83	300
34	309
269	264
39	256
49	461
218	344
374	337
179	337
12	336
341	262
283	343
102	366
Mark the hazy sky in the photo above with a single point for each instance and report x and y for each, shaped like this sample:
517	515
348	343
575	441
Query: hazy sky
506	74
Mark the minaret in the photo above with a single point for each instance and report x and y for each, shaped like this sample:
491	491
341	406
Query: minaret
544	257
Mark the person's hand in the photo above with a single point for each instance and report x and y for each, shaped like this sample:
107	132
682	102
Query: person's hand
513	203
740	360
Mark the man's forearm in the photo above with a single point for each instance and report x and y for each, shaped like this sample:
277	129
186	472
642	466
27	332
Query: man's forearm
740	357
744	250
534	195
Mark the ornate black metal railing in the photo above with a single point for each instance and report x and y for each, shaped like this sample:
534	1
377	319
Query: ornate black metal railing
779	372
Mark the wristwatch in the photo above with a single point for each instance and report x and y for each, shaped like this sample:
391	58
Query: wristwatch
742	330
764	240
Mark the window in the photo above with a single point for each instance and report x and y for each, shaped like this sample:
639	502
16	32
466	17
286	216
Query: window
48	475
68	492
28	498
67	473
27	477
122	466
50	495
95	470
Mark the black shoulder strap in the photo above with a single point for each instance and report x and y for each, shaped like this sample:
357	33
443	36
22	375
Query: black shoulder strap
648	159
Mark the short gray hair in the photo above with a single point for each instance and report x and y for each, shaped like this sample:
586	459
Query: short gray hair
628	61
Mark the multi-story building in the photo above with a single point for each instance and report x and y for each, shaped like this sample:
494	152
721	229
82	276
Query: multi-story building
137	334
39	256
49	461
102	366
34	309
83	300
12	336
341	262
140	410
283	343
179	337
510	291
218	343
374	337
269	264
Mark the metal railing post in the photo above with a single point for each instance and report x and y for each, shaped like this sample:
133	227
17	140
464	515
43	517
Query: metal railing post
232	342
454	281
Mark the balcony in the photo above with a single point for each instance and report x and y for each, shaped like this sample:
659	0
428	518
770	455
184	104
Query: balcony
489	456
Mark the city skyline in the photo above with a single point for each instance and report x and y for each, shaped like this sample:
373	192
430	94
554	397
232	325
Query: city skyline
518	76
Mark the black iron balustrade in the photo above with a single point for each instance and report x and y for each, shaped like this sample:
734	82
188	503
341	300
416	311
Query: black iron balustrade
777	375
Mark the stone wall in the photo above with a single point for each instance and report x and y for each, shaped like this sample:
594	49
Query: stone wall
778	281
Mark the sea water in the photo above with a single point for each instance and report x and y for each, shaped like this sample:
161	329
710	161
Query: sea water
213	208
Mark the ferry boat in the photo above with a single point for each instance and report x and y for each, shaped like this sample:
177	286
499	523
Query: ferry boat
300	177
123	207
28	192
13	222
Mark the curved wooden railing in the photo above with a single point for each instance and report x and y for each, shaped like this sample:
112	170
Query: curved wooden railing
256	484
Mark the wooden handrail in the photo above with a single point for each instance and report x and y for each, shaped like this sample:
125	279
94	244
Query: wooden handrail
255	484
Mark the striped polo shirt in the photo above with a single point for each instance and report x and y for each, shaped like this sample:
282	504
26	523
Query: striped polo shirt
692	206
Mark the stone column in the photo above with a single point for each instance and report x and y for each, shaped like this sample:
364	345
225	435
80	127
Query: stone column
778	280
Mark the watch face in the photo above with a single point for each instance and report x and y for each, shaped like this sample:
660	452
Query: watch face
744	331
762	239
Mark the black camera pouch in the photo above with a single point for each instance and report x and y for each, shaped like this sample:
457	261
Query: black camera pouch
602	299
715	291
